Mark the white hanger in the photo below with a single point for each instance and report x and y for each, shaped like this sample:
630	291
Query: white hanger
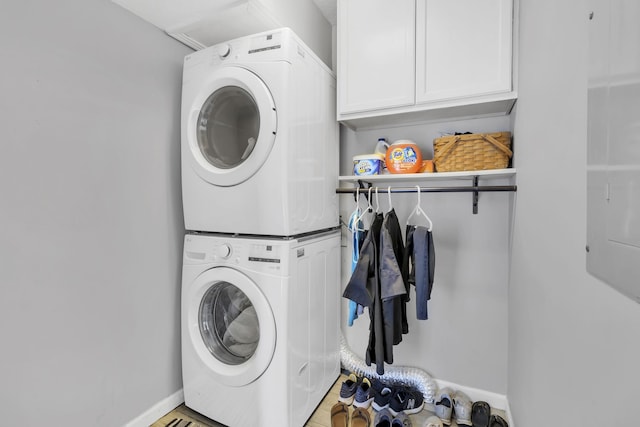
369	208
356	214
377	201
389	195
417	211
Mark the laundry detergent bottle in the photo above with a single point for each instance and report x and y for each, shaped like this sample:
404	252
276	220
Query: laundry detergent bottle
403	156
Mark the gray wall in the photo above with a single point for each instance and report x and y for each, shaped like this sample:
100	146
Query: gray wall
465	339
573	340
90	219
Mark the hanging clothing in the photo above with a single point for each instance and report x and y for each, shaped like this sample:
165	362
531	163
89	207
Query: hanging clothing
357	238
378	283
392	283
419	266
364	289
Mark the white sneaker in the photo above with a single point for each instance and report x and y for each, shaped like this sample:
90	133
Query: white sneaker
462	408
444	405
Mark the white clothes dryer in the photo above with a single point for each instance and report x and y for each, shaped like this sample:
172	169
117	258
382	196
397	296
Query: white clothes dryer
260	332
259	138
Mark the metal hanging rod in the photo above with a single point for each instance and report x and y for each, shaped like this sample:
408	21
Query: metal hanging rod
472	189
475	189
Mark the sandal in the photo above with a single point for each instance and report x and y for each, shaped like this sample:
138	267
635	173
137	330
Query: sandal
480	414
497	421
340	415
360	418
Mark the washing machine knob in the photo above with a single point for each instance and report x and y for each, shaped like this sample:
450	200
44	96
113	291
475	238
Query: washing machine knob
223	251
224	50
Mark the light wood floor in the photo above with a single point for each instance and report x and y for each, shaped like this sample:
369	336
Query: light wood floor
185	417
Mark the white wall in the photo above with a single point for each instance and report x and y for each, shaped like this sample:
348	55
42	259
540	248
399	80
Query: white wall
465	339
573	340
90	219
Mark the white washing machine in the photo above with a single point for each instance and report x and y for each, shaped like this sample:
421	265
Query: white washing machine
260	332
259	138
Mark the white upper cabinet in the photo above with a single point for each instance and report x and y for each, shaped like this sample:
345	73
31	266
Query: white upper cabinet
423	60
376	51
463	48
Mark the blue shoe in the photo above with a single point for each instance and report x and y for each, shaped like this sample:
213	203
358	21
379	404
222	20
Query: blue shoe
364	394
348	389
382	395
384	418
401	420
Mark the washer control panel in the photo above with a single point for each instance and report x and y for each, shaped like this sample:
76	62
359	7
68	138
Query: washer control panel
265	253
257	255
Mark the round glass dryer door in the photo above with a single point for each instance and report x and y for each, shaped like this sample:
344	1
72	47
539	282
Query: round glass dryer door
228	127
232	127
231	325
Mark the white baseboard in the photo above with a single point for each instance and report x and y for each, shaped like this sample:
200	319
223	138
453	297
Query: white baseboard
495	400
158	410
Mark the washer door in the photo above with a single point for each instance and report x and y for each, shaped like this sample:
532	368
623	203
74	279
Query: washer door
231	326
231	127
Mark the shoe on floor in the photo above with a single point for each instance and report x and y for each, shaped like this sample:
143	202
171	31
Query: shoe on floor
360	418
340	415
364	394
480	414
383	418
348	389
433	421
382	395
462	408
401	420
406	400
444	405
497	421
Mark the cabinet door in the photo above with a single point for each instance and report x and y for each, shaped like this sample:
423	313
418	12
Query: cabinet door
376	54
463	48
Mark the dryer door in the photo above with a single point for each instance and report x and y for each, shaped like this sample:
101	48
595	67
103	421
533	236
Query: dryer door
231	325
231	127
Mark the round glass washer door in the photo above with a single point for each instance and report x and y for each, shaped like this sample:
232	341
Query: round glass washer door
232	126
231	326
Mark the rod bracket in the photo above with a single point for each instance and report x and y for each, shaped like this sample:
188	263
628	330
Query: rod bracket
476	195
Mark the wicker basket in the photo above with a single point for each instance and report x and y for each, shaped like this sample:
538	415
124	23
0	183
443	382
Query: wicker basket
477	151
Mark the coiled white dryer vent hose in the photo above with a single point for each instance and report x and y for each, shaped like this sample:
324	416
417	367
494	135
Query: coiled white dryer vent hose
394	375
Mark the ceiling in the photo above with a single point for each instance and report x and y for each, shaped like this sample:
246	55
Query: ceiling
202	23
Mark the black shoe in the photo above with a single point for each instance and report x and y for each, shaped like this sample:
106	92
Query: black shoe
406	400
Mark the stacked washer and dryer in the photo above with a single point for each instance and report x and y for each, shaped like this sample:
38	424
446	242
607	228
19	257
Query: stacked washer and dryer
260	283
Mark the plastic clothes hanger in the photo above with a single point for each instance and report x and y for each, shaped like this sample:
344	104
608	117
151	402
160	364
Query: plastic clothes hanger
377	202
418	212
389	196
369	209
356	215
